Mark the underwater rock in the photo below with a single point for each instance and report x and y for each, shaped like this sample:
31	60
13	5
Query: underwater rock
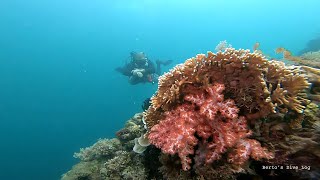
312	45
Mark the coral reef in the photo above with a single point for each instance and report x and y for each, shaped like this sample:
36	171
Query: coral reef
112	158
248	77
233	114
210	110
124	165
309	62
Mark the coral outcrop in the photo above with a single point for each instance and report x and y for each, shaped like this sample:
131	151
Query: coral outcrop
210	110
112	158
248	77
228	115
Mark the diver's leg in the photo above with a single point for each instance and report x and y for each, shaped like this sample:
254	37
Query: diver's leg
158	70
133	80
159	63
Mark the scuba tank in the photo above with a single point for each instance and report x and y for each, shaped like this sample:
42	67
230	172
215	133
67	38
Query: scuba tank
153	78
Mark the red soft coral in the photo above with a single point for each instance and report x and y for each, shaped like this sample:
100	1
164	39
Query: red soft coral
206	114
175	134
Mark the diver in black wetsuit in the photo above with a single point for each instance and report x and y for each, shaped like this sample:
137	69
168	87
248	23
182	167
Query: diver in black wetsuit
141	70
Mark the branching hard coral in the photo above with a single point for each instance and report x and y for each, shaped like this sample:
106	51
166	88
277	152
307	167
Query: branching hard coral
102	148
288	85
313	74
310	62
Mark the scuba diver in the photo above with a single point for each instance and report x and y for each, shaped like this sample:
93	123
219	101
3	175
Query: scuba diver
141	69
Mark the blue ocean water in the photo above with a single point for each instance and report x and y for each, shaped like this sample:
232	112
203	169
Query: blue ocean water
58	87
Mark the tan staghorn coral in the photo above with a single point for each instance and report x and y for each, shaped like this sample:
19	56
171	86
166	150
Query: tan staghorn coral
257	85
313	75
310	62
288	85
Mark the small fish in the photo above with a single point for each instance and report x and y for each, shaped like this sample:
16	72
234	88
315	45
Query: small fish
287	54
256	46
280	50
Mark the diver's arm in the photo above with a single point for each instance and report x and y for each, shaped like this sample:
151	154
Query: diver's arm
150	69
125	70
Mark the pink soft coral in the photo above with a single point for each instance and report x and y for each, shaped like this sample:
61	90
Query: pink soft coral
209	115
